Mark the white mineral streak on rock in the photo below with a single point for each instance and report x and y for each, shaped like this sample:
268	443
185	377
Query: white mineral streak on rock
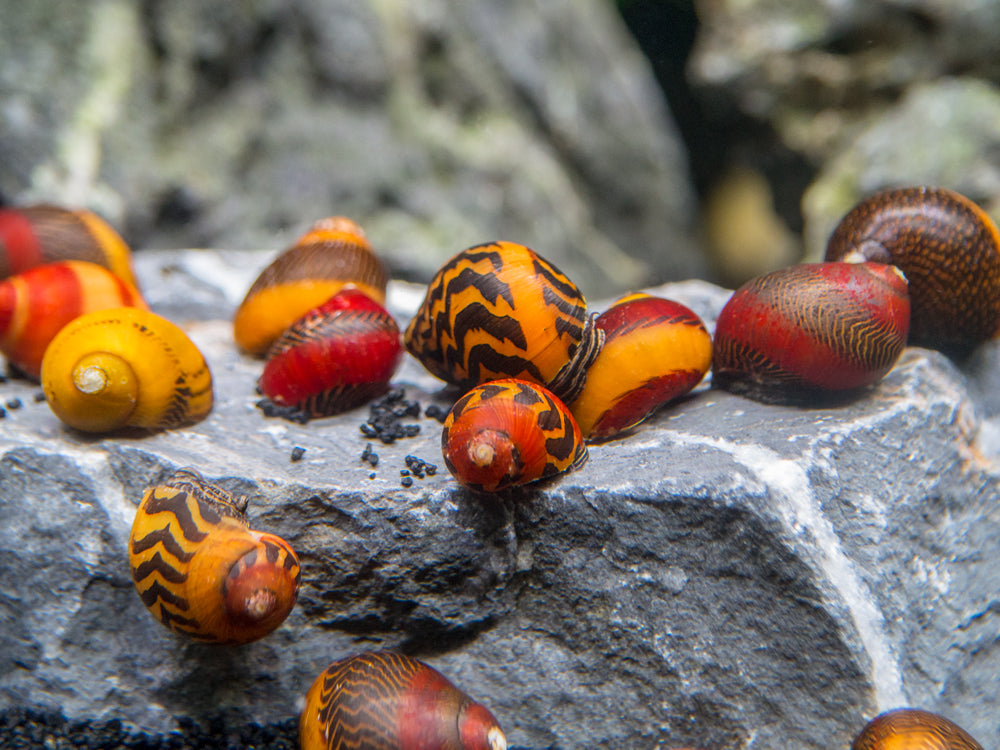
801	512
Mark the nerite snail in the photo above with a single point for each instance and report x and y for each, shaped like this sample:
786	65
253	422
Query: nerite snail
949	250
37	303
332	255
655	350
383	700
811	329
125	367
510	432
34	235
338	356
500	310
202	571
913	729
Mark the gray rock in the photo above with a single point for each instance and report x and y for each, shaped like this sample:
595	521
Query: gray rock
728	575
436	126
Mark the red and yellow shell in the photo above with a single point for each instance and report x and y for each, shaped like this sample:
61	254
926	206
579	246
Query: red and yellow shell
510	432
949	250
202	571
336	357
500	310
125	367
655	350
810	329
34	235
913	729
382	700
37	303
332	255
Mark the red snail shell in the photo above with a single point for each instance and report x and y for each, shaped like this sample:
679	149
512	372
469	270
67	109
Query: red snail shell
336	357
655	350
811	328
331	256
510	432
37	303
201	570
913	729
34	235
949	250
500	310
382	700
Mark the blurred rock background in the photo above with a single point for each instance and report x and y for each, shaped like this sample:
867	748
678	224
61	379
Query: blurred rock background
631	142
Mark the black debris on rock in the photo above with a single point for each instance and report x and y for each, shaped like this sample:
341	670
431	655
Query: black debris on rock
369	456
420	468
406	481
386	415
291	413
297	453
434	411
39	397
13	403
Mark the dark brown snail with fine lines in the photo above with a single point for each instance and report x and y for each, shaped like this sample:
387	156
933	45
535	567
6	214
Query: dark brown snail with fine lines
949	250
382	700
202	571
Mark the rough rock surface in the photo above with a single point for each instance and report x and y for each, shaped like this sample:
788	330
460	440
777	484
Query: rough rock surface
437	125
731	575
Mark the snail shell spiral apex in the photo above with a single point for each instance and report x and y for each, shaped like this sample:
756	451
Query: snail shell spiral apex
34	235
510	432
334	254
949	250
382	700
913	729
199	568
125	367
810	330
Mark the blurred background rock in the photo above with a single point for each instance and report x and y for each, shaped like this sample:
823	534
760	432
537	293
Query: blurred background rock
631	142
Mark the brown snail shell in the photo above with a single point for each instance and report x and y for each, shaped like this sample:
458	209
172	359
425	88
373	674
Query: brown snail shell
383	700
949	250
913	729
199	568
334	254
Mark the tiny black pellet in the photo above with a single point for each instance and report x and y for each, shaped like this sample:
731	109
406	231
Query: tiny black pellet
369	456
297	453
406	481
13	403
436	412
39	397
385	415
3	412
291	413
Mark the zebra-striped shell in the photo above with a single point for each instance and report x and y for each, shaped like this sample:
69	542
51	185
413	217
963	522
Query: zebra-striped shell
382	700
913	729
501	311
201	570
338	356
36	304
949	250
34	235
510	432
655	350
332	255
811	329
125	367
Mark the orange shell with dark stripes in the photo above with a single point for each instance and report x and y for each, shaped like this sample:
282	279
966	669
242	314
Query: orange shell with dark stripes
202	571
913	729
500	310
37	303
655	350
334	254
510	432
949	250
382	700
34	235
810	330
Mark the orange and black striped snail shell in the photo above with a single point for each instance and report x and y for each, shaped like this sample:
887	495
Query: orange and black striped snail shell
338	356
202	571
510	432
34	235
382	700
811	329
125	367
655	350
37	303
332	255
949	250
500	310
913	729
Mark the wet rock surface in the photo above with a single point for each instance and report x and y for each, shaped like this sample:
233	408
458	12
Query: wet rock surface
729	575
